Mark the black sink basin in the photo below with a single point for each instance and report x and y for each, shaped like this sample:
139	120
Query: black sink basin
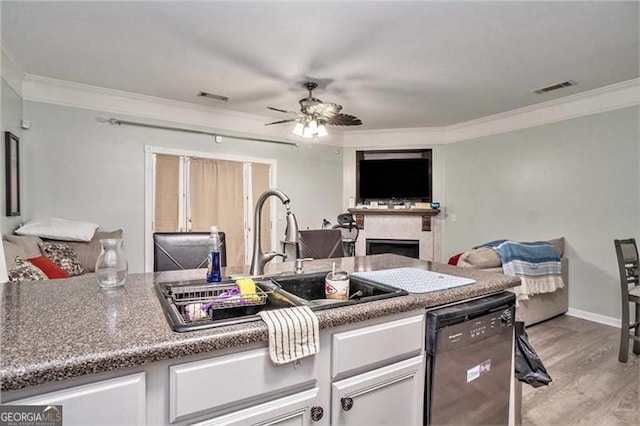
197	305
182	304
311	288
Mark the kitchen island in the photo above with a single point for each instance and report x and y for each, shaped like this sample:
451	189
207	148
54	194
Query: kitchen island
58	334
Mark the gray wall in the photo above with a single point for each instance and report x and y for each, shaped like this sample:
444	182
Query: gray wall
577	178
11	122
84	169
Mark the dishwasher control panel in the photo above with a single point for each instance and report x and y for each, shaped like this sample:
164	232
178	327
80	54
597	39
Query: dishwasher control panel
453	336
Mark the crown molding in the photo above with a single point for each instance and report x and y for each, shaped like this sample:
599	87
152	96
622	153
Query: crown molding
596	101
78	95
603	99
12	72
49	90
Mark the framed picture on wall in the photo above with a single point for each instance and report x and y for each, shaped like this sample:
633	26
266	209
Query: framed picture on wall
12	170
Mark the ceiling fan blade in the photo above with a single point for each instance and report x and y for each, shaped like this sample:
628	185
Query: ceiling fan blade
327	110
281	121
282	110
344	120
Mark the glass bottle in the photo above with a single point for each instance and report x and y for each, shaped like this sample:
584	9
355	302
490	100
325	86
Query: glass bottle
111	266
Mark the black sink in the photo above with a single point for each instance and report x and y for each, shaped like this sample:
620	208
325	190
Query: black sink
311	288
182	302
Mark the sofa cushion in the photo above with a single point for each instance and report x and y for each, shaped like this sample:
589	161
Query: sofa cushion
49	267
24	270
88	252
28	243
59	229
63	255
11	251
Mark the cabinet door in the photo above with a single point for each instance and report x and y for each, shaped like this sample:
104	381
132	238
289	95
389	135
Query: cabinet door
388	395
119	401
294	410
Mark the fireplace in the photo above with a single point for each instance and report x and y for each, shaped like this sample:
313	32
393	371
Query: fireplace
409	248
423	226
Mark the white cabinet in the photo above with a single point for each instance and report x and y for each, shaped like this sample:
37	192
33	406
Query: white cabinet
391	395
376	345
239	379
300	409
119	401
377	365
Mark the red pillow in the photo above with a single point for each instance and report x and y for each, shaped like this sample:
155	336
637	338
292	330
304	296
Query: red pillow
453	260
49	268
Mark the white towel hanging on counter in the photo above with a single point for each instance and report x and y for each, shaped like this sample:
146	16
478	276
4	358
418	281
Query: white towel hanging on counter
293	333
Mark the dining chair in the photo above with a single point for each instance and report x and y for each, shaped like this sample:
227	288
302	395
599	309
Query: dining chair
174	251
350	231
627	253
321	243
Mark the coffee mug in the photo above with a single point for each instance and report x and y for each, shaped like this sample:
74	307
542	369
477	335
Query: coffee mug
336	285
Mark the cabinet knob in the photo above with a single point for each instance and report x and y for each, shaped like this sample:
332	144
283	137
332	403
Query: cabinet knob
316	413
347	403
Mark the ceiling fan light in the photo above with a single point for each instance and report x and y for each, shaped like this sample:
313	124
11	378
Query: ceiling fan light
307	133
298	129
322	131
313	125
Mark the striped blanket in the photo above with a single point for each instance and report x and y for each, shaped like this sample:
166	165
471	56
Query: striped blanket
536	263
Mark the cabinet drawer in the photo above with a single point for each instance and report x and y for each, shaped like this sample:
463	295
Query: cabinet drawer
373	345
291	410
119	401
242	379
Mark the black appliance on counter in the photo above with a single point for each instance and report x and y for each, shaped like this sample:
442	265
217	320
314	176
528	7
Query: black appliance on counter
469	353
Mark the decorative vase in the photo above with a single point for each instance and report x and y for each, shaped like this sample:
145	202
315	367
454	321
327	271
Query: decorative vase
111	266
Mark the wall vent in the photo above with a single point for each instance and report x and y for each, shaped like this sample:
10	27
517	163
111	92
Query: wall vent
554	87
213	96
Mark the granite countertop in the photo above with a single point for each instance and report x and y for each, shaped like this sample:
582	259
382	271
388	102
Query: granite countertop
58	329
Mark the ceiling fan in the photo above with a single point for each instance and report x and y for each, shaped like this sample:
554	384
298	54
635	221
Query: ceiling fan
315	114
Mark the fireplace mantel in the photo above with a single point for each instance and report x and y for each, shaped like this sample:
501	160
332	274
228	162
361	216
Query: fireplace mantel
426	214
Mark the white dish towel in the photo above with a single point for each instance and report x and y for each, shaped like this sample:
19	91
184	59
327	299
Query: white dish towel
293	333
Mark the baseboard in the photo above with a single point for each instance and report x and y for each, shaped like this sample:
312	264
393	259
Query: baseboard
590	316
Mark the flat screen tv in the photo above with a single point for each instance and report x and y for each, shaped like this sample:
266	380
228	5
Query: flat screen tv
400	178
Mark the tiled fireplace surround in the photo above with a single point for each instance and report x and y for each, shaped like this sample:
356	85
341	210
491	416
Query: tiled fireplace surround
394	226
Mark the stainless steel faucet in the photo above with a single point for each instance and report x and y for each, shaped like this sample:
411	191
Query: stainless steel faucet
259	259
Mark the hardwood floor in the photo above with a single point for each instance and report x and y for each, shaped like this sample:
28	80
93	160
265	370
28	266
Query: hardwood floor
590	386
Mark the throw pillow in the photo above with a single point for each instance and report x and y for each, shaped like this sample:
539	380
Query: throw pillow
59	229
47	266
25	271
64	256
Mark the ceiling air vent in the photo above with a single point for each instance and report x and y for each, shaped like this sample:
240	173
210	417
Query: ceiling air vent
213	96
555	87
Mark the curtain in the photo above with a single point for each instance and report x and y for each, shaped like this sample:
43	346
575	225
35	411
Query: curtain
167	193
216	194
259	184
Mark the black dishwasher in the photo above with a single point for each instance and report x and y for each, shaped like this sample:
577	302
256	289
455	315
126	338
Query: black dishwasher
469	352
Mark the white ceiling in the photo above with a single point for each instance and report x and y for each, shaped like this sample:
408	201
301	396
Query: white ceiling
394	65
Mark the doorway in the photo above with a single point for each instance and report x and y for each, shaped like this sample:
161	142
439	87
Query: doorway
190	191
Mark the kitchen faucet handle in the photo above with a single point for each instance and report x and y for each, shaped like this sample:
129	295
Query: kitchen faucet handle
299	266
